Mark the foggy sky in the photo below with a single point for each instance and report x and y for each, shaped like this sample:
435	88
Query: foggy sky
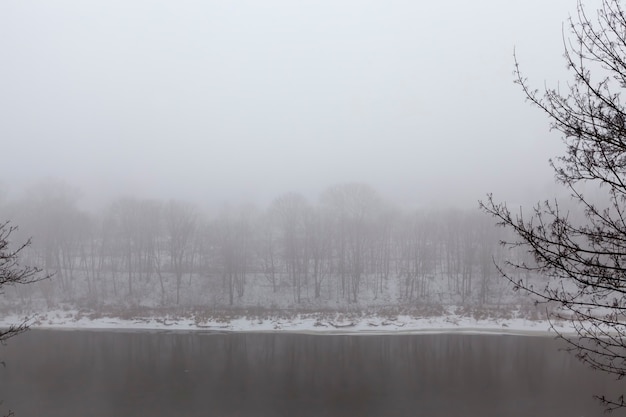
215	101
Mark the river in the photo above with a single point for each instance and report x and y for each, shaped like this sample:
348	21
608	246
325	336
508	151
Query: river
119	373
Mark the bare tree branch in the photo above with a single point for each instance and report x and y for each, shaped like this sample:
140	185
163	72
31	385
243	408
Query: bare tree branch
579	259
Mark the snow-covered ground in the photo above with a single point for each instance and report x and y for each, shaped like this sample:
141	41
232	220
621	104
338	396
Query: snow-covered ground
297	323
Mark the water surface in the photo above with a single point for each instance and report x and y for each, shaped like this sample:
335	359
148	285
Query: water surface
89	373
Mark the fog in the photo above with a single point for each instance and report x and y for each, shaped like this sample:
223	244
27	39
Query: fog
242	101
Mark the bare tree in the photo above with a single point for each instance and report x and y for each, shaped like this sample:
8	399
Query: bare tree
416	254
290	210
138	225
354	208
318	236
582	255
49	211
181	224
381	249
13	273
267	251
233	234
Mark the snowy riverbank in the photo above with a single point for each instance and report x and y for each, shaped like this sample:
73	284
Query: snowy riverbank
322	323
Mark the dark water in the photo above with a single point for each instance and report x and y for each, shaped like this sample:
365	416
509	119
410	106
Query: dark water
82	373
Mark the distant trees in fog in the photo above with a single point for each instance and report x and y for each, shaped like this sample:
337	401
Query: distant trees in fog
350	248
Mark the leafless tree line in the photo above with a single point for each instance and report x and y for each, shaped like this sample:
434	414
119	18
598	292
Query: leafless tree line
349	248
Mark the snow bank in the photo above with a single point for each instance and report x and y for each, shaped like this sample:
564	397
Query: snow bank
299	323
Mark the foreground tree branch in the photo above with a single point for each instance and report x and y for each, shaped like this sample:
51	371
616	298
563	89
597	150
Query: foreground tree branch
578	262
13	273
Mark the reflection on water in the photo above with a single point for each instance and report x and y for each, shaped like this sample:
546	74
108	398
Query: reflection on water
81	373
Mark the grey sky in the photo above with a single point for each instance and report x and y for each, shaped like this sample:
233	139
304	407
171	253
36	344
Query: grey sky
244	100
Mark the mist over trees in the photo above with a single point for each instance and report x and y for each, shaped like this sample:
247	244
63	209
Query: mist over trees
350	249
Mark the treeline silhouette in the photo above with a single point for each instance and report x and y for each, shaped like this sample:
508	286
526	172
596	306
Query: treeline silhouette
350	248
